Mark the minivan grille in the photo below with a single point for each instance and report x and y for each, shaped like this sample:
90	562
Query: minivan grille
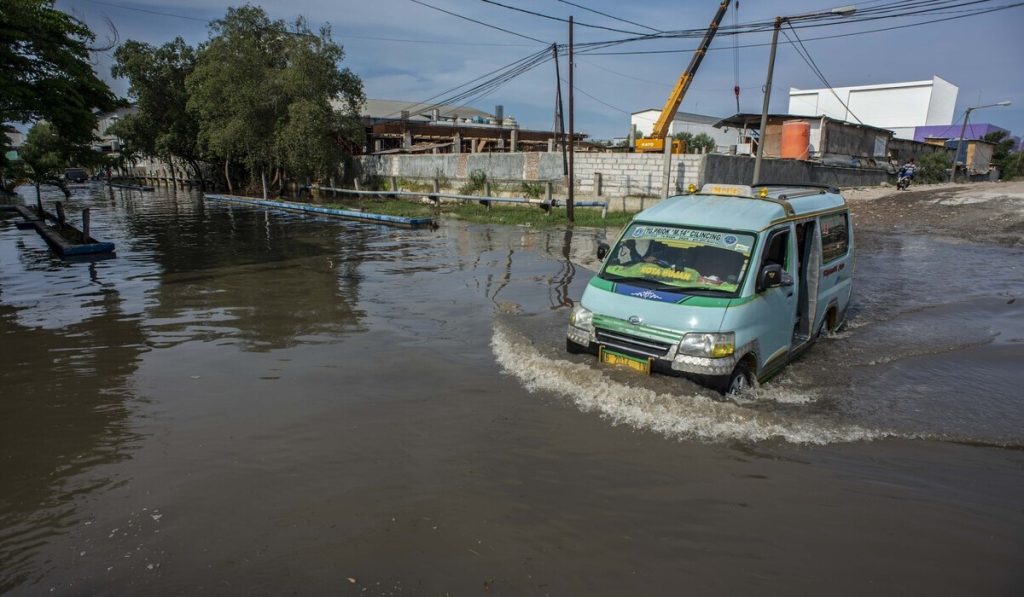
631	343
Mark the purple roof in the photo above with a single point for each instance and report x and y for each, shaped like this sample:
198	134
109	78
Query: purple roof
952	131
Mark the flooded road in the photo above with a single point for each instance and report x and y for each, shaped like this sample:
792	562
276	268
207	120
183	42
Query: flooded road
245	402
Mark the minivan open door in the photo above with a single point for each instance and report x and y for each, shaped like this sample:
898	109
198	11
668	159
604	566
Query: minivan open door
778	287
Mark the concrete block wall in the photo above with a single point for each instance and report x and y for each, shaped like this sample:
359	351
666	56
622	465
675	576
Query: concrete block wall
622	174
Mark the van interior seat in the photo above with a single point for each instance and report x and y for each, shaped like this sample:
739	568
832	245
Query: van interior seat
711	261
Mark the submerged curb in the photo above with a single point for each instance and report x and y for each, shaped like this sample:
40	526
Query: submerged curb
339	213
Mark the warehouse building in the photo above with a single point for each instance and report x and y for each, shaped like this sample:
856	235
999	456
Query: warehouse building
899	107
686	122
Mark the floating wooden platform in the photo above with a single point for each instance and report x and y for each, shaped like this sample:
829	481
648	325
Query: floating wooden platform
359	216
56	239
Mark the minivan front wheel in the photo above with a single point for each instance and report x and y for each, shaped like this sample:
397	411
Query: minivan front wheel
740	380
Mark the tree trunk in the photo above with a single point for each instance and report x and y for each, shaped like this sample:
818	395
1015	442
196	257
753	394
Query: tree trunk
227	175
263	179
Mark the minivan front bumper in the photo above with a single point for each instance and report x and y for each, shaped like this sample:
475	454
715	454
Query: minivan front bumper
665	356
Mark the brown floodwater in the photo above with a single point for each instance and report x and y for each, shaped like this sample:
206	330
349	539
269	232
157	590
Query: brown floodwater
256	403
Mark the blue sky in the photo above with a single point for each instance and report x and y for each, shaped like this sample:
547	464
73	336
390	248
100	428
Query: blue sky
979	54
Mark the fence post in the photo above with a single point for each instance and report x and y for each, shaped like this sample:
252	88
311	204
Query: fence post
394	183
487	192
598	186
85	225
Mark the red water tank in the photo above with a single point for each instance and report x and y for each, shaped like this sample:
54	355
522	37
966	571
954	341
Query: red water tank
796	139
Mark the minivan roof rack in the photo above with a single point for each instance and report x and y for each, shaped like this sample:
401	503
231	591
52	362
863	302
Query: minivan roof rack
825	187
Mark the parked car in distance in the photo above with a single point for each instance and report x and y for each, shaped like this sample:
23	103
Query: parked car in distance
76	175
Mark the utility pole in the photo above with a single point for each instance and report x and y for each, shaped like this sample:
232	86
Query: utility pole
767	98
559	113
572	137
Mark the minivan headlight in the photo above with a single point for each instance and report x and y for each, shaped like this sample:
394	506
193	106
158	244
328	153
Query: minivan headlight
708	345
581	318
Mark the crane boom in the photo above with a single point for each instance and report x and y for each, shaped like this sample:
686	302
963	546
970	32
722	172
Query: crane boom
655	142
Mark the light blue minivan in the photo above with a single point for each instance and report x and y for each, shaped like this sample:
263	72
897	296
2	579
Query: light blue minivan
725	285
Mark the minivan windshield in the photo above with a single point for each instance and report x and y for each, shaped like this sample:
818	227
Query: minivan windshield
672	257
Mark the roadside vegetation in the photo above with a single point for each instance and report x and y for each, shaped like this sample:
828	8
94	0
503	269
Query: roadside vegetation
517	215
262	100
47	78
1010	163
933	168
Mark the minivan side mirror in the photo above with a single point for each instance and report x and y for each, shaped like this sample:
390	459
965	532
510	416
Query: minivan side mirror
769	277
602	250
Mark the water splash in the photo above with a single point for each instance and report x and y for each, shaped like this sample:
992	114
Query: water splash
685	416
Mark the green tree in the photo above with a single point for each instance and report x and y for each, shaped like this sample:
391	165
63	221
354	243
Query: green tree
702	143
933	167
45	72
262	93
322	120
45	154
1001	152
161	126
1013	166
685	137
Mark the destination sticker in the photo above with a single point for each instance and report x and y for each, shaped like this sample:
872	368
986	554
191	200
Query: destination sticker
704	237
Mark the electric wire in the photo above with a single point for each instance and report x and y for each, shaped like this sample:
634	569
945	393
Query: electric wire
552	18
806	56
614	18
455	14
824	37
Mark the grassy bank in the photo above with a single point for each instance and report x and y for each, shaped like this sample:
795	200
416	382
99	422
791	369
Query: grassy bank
520	215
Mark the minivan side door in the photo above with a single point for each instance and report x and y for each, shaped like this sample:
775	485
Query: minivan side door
776	310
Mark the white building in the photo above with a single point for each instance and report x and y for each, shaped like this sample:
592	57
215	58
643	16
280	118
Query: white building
685	122
899	107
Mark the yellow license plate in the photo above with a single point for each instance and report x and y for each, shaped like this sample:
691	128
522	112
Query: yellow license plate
614	358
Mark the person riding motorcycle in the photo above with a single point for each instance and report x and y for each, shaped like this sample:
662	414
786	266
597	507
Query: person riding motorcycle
905	175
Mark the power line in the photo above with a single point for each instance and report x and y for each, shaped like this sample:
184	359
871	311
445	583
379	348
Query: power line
604	14
549	17
454	14
602	102
851	34
802	51
891	10
340	34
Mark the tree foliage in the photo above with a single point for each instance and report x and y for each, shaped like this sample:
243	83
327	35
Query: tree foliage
933	167
699	143
45	73
161	125
271	96
46	153
1002	152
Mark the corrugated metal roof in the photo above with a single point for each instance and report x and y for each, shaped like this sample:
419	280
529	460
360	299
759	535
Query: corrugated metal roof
388	109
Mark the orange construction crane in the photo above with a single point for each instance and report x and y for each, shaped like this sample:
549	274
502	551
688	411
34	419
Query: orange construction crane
655	142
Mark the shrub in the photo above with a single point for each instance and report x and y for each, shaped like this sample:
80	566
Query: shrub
477	180
1013	166
533	190
933	167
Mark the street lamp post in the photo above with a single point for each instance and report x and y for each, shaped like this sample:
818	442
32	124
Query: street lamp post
963	129
843	11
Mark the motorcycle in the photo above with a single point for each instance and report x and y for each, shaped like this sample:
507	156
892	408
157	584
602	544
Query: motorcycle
903	178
